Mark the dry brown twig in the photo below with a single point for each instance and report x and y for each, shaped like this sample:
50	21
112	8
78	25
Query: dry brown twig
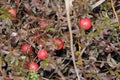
67	6
112	3
97	3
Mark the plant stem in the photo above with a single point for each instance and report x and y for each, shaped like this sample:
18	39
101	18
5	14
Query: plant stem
112	3
97	4
67	5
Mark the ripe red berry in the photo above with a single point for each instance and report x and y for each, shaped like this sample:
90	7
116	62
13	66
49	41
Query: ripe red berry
85	23
12	11
26	47
42	54
33	66
59	43
42	24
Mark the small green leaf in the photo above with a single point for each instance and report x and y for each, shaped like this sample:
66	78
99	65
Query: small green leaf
44	63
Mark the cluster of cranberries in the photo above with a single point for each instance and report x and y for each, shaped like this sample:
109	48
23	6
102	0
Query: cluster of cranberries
84	23
41	54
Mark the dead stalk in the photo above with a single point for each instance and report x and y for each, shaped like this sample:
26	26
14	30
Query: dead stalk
67	6
112	3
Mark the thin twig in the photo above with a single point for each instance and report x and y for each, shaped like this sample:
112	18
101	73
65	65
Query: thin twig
81	53
112	3
67	5
97	4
